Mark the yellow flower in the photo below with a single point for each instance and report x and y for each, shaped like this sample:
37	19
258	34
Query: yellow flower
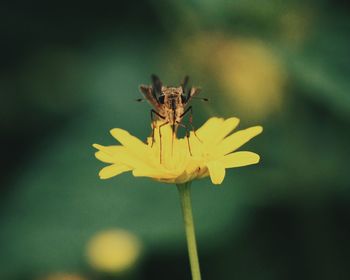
113	251
210	151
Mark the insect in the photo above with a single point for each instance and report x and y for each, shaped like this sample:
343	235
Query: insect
170	104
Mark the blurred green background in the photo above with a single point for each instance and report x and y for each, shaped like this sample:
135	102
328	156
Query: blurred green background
70	72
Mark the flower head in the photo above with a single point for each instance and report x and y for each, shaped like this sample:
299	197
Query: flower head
208	152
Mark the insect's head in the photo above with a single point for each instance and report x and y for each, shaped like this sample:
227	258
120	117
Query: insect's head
169	95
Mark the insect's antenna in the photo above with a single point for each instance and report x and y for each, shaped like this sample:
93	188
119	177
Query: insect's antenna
204	99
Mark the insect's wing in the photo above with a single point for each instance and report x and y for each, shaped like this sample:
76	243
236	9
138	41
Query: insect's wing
192	93
156	85
185	83
148	93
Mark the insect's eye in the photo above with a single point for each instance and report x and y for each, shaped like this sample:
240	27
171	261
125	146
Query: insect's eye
161	99
183	98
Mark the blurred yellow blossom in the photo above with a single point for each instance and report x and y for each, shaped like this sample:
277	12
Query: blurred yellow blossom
63	276
209	152
252	76
247	71
113	251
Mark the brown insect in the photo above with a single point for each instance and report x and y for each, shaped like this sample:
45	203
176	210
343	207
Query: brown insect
170	104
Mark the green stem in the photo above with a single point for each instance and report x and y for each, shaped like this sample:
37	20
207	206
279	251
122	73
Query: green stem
185	198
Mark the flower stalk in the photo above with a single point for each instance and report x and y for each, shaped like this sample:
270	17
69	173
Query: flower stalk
185	199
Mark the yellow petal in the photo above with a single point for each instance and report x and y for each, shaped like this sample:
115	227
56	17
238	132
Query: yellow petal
129	141
209	129
153	173
204	172
113	170
196	144
240	159
216	172
165	132
227	127
117	154
113	151
212	132
107	154
237	139
104	157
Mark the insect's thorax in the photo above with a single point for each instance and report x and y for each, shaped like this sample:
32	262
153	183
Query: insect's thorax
173	106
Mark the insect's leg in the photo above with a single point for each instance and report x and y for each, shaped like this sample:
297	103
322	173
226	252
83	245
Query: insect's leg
159	115
153	128
160	141
154	112
190	119
187	136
